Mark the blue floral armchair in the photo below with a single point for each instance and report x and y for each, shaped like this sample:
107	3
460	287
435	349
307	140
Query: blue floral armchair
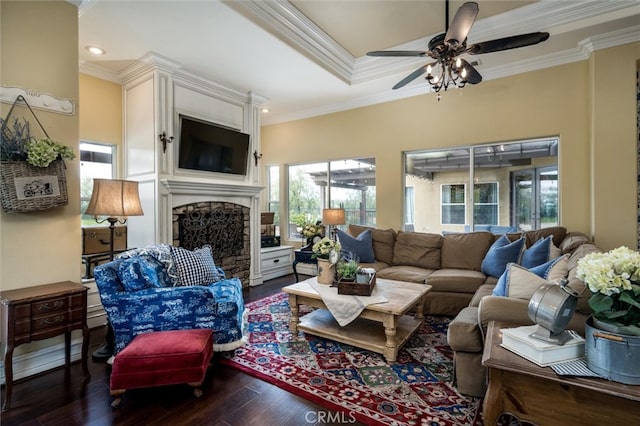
162	287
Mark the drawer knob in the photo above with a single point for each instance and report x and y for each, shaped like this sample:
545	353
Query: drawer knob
276	261
53	321
51	306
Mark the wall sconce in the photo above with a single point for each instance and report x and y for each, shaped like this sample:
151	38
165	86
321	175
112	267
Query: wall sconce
256	157
164	139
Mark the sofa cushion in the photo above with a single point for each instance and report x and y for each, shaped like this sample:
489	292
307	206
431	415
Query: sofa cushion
410	274
483	290
501	252
572	241
417	249
465	251
195	267
553	270
455	280
360	247
140	272
557	233
540	252
383	241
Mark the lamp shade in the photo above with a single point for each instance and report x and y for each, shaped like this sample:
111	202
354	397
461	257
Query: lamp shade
333	217
111	197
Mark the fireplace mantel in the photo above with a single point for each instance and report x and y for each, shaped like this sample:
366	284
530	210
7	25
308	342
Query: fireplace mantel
211	188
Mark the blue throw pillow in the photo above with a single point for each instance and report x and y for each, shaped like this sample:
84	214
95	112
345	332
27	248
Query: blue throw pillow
553	269
500	254
360	248
539	253
140	272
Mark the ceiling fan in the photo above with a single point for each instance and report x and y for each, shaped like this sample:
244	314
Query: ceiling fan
449	69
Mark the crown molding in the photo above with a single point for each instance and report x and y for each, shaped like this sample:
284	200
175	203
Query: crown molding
282	19
99	72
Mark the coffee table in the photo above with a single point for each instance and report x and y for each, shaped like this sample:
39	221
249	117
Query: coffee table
381	328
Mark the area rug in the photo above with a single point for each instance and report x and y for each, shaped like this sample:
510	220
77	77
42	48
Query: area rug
414	390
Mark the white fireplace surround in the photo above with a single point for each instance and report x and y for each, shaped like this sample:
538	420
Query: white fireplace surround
175	193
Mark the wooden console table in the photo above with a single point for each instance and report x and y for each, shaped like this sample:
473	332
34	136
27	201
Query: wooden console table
538	395
42	312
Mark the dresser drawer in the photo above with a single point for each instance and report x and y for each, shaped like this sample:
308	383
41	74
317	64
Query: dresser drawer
275	260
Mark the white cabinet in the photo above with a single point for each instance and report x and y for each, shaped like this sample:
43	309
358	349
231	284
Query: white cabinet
276	261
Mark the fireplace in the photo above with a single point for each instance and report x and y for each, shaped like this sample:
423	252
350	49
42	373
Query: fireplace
224	215
224	226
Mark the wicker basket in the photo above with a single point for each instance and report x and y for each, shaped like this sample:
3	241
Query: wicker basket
26	188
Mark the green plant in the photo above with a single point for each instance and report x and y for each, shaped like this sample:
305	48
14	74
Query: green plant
614	280
18	145
347	269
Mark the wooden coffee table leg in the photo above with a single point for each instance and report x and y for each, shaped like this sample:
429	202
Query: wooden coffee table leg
391	346
420	308
295	320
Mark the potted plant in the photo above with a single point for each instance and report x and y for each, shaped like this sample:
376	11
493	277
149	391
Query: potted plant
347	270
18	145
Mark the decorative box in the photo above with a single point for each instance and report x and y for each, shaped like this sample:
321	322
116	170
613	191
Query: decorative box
357	289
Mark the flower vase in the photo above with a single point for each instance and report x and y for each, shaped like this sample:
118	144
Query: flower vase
326	271
613	356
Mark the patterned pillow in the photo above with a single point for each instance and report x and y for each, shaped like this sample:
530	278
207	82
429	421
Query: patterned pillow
500	254
195	267
140	272
162	252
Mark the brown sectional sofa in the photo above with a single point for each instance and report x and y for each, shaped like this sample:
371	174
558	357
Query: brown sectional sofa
451	264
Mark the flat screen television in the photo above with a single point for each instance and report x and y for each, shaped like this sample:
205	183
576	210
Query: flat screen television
210	147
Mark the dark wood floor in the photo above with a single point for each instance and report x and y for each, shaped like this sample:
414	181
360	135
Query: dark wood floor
230	397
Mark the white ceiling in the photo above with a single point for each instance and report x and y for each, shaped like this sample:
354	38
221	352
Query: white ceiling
307	57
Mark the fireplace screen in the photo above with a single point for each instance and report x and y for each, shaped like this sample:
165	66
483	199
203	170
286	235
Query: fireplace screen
222	229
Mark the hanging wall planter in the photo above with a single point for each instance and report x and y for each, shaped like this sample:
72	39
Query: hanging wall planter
32	171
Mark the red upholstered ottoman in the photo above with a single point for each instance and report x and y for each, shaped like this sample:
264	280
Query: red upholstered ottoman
162	358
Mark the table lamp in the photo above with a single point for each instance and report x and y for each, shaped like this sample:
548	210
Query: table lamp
114	198
331	218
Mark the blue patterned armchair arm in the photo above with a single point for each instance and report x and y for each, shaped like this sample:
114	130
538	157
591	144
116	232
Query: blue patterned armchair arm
218	306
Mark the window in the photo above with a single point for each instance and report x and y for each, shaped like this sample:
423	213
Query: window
273	193
96	161
350	184
453	204
515	187
409	208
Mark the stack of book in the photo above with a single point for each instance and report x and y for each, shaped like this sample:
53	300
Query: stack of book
519	341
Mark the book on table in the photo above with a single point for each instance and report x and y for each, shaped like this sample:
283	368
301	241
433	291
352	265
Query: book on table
519	341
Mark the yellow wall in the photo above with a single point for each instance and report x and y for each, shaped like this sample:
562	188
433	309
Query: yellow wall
549	102
101	112
39	43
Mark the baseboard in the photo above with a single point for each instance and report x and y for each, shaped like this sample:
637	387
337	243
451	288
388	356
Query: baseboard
43	359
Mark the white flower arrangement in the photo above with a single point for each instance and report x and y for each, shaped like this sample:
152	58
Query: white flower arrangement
310	230
614	279
326	248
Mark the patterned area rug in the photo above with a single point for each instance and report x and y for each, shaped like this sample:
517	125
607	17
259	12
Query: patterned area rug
415	390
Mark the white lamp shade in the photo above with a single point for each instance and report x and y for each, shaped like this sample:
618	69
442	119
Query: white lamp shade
111	197
333	217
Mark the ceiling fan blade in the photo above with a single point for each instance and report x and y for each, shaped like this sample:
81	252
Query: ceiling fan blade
397	53
507	43
417	73
473	76
461	24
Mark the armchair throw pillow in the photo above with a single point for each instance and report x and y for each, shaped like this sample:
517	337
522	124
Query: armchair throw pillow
540	252
140	272
195	267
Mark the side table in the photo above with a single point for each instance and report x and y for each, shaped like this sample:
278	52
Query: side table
536	394
302	256
42	312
